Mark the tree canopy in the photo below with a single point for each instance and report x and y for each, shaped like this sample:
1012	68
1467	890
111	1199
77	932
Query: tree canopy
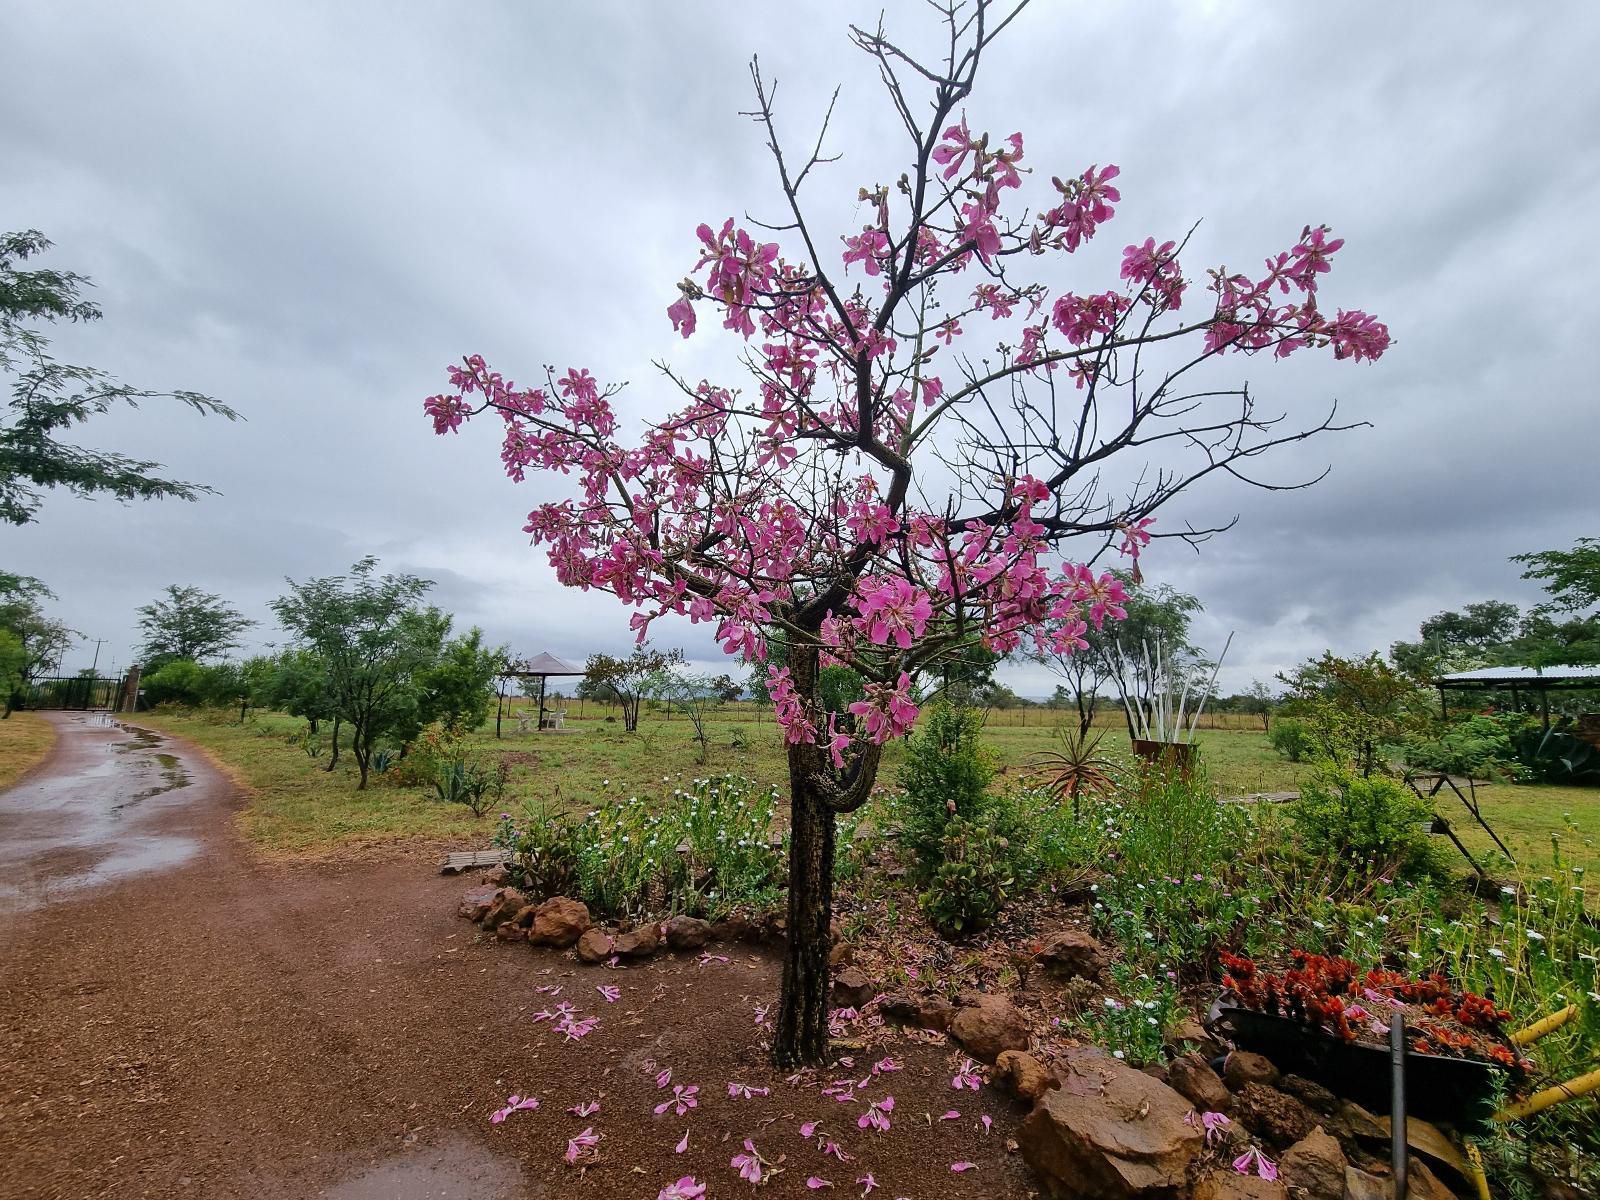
49	398
189	623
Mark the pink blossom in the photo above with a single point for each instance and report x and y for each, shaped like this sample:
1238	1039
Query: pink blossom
1253	1158
683	1143
749	1163
868	248
587	1109
892	610
817	1183
960	1167
683	1099
1212	1122
744	1091
950	1115
611	994
687	1188
682	313
663	1077
582	1146
877	1115
967	1076
807	1128
513	1104
988	1122
868	1184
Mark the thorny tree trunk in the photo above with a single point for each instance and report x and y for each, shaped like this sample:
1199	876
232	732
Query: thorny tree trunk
800	1036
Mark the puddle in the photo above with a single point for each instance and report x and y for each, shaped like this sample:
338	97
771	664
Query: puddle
108	809
455	1169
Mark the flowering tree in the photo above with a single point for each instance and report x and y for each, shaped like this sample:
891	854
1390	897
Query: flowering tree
890	486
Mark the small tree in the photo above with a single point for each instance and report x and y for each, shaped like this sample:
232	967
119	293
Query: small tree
374	639
189	623
457	688
40	640
914	451
1261	700
50	397
1572	577
695	696
1354	707
626	681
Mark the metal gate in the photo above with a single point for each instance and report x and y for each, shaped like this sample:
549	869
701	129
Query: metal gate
78	692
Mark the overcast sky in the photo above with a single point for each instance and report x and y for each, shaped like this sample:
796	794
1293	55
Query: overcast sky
308	210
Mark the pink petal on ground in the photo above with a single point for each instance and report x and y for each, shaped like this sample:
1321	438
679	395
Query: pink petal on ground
951	1115
816	1183
808	1128
683	1145
959	1167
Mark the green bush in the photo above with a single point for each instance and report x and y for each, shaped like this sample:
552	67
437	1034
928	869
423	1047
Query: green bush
1556	756
1372	819
1292	739
945	776
972	880
1478	745
179	681
706	851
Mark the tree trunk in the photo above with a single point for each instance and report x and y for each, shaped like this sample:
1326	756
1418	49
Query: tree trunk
801	1034
333	758
361	747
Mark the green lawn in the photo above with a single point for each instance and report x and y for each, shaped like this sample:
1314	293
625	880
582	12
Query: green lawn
299	809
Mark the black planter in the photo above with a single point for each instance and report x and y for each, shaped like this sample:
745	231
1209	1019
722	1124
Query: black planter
1457	1091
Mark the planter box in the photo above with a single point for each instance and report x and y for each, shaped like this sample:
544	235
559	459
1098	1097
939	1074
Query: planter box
1457	1091
1178	754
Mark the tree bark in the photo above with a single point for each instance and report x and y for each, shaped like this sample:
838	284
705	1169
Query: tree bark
333	758
801	1034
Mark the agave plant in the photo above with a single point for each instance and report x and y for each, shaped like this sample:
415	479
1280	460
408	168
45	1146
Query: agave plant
1077	766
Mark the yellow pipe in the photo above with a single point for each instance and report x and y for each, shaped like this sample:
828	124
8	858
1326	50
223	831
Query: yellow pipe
1539	1101
1543	1026
1475	1168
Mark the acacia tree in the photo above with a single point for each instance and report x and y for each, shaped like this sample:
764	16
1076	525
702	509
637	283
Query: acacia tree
375	640
35	643
889	484
189	623
49	397
627	681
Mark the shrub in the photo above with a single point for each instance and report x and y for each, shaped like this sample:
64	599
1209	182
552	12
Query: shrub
1174	825
973	877
1479	745
945	776
476	784
1556	756
705	851
1133	1027
1369	819
179	681
1292	739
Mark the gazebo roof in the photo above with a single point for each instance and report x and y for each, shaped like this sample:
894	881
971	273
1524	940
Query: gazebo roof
1532	678
546	663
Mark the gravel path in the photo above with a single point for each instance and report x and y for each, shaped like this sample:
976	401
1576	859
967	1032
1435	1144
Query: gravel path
178	1018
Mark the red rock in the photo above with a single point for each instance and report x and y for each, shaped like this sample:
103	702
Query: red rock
594	946
1242	1067
475	903
1023	1075
851	988
988	1026
1194	1079
559	922
1072	953
1314	1166
639	943
507	903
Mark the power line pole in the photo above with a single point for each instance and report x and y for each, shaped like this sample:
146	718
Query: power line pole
98	642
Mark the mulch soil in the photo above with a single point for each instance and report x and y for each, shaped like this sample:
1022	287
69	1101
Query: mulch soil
234	1028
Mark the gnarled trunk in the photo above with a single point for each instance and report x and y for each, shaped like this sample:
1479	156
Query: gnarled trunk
801	1034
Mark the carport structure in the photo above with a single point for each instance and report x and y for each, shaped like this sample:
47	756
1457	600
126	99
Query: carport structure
542	666
1517	680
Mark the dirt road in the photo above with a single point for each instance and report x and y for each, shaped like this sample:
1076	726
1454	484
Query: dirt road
178	1018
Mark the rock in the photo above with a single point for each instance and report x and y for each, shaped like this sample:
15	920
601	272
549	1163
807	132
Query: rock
851	988
734	929
507	903
841	955
498	877
1363	1124
1421	1184
1023	1075
640	943
988	1026
510	931
936	1014
687	933
1312	1094
1189	1034
1421	1136
1274	1117
1242	1067
1156	1071
1227	1184
476	901
1109	1132
1072	953
1314	1166
594	946
1193	1077
559	922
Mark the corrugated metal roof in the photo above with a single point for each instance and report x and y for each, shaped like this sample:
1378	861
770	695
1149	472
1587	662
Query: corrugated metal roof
1519	674
549	664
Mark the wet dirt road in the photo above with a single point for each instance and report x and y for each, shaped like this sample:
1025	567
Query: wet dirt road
112	802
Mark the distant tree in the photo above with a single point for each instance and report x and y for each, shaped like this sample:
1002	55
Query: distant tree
1355	707
1477	636
374	640
728	688
457	688
695	696
40	640
626	680
189	623
1260	699
50	397
13	658
1572	577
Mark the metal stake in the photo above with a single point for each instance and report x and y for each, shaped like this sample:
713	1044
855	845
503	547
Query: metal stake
1397	1105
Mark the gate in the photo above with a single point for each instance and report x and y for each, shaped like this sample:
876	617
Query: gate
79	692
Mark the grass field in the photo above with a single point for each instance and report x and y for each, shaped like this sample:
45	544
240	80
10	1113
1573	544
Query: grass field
25	739
297	808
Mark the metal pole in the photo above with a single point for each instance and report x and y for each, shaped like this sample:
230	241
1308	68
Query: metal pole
1397	1105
